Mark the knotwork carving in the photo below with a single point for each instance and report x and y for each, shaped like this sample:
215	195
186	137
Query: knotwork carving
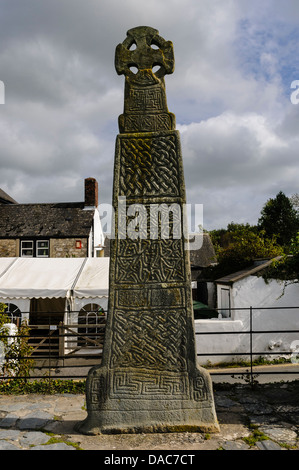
155	261
154	339
149	167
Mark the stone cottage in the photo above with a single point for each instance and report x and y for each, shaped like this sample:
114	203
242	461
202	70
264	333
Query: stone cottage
52	230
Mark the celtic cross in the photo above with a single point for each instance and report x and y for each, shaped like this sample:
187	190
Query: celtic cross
145	58
148	379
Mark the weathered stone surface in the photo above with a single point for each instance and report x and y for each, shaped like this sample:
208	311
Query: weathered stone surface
149	380
224	402
33	439
145	107
258	408
280	434
9	421
235	445
11	434
8	446
34	420
268	445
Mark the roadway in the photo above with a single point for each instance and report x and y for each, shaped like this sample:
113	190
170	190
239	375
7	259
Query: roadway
261	374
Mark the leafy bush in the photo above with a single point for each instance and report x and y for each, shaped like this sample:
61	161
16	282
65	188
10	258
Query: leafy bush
15	347
286	269
14	386
243	244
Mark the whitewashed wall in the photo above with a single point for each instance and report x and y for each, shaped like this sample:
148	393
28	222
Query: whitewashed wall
98	232
252	291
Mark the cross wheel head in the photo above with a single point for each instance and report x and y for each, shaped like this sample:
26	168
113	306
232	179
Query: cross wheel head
144	57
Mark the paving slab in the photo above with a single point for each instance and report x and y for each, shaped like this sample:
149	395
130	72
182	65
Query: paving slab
235	445
35	420
35	438
268	445
4	445
28	427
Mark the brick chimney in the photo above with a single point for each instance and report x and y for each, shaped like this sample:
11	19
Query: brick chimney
91	192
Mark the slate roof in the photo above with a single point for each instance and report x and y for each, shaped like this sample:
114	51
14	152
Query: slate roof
204	255
45	220
250	271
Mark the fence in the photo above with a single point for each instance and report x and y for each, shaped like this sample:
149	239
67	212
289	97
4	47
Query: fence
253	354
67	350
60	349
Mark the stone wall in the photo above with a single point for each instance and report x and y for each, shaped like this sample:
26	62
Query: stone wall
9	248
66	248
59	248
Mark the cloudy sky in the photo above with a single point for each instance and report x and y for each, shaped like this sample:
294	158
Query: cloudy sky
235	64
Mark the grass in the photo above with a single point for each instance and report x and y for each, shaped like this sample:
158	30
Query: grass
260	361
59	440
255	437
48	387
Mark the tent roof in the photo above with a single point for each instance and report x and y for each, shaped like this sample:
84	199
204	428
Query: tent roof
53	277
94	279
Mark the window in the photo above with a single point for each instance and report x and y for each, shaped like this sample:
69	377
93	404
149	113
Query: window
32	248
225	303
27	248
92	331
14	313
42	248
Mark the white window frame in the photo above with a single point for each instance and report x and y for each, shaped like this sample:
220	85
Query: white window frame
34	248
42	248
23	249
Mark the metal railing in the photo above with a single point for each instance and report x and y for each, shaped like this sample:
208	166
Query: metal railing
251	372
60	350
67	350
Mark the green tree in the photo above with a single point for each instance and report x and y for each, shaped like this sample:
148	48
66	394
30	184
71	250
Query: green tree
279	218
287	269
223	238
246	244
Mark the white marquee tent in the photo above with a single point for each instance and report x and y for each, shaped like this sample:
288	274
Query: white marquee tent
78	280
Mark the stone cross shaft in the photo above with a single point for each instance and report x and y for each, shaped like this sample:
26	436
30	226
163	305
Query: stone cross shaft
149	380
